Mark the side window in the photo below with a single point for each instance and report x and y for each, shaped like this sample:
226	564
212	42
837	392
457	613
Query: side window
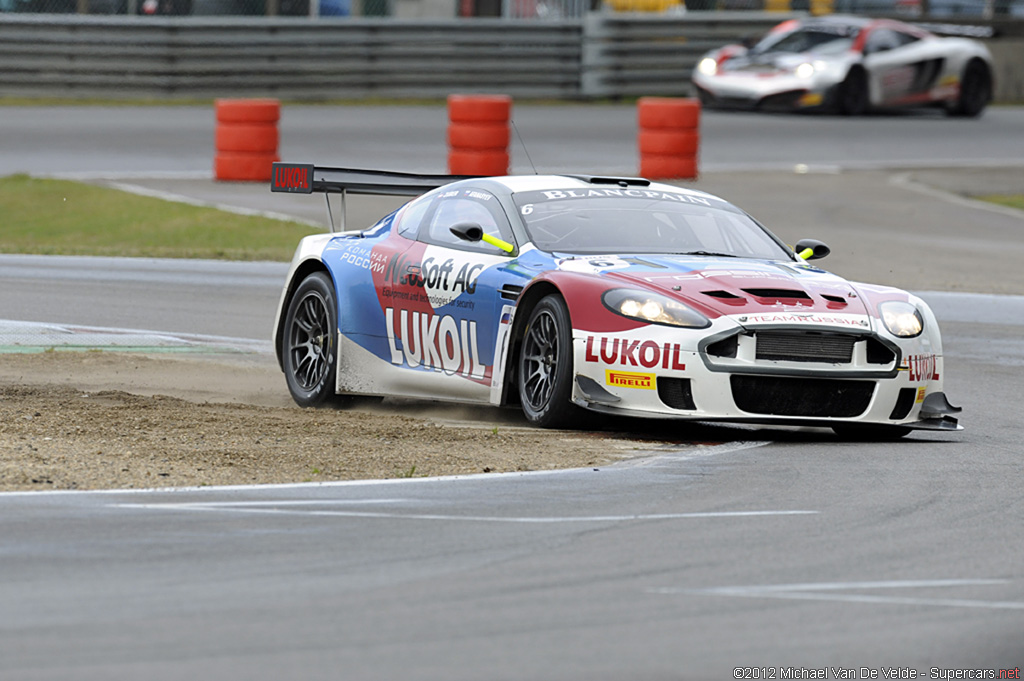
466	205
411	216
905	38
882	39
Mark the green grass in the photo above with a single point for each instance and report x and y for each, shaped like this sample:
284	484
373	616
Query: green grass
1010	200
58	217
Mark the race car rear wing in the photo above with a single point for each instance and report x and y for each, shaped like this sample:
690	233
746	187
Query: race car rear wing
959	30
304	178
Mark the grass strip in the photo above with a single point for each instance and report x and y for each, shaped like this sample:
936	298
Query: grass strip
60	217
1009	200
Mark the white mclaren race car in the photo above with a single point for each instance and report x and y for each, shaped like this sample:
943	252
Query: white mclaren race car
850	65
562	294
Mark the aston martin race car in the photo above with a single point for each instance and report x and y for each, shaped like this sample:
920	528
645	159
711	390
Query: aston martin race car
572	293
850	65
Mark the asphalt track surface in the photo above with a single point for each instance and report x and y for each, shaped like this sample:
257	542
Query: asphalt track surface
752	548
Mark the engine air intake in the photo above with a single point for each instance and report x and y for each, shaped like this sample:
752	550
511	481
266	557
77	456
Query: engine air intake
676	393
788	396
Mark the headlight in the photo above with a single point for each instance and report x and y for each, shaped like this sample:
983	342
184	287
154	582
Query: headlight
707	66
902	319
805	70
653	308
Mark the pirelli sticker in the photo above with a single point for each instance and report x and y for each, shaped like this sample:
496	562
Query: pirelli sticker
628	379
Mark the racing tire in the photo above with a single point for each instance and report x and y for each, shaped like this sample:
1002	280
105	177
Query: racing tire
247	110
258	138
871	433
241	166
545	366
309	342
975	91
479	108
668	113
853	93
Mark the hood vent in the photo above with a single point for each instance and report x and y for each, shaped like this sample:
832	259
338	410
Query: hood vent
835	299
722	295
778	293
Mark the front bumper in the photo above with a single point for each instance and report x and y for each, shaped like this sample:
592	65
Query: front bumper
845	378
780	93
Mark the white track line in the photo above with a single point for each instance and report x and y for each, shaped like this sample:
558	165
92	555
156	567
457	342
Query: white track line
274	508
826	591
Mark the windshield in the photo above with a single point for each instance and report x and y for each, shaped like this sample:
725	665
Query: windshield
825	39
606	221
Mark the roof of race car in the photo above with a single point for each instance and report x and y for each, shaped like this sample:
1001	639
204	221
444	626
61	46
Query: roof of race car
526	183
835	19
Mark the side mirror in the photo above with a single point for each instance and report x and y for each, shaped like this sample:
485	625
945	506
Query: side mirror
811	249
472	232
468	231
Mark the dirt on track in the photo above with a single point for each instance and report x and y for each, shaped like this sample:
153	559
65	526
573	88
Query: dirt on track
106	420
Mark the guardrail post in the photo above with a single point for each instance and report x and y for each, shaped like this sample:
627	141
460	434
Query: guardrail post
478	134
246	139
669	137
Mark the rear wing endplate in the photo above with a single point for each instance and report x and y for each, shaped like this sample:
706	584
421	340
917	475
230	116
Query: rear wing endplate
304	178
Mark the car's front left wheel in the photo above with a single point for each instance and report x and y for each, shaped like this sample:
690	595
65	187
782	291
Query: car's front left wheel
975	91
854	99
545	366
308	342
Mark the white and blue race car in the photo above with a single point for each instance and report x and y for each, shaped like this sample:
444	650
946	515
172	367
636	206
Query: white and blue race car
850	65
566	294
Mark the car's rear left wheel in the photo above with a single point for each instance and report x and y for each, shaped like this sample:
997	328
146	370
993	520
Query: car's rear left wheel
309	352
545	366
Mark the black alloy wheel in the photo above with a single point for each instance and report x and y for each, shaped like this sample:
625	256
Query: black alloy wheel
310	330
545	366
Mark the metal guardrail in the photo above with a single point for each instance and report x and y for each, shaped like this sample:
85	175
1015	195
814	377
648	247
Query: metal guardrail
636	54
605	55
286	58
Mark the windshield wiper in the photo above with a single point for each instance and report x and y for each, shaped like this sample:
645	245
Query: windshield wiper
711	253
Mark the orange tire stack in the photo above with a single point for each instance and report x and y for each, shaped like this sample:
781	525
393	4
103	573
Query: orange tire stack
478	134
246	139
669	137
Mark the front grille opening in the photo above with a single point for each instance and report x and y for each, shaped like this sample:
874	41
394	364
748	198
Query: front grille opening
805	347
789	396
904	403
778	293
724	348
676	393
879	353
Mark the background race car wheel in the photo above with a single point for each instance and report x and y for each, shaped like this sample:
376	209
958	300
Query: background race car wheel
853	93
310	332
871	433
975	91
545	366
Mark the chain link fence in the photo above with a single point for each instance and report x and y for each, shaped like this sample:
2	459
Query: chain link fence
510	9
